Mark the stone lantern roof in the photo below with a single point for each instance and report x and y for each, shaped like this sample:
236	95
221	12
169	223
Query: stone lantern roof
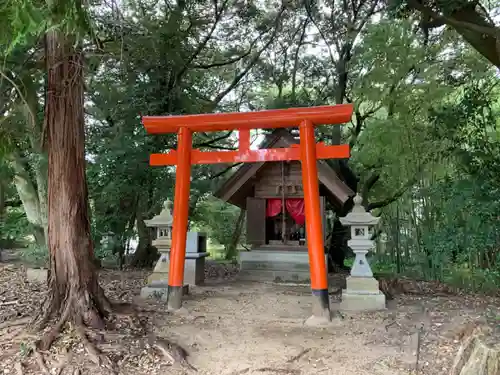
358	215
164	218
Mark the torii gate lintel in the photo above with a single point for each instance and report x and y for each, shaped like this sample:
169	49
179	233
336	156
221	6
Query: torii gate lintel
308	152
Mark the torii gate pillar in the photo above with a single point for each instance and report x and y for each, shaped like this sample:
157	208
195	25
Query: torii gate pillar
314	227
308	152
180	219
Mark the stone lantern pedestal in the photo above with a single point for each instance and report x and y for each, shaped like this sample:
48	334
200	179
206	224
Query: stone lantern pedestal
158	280
362	291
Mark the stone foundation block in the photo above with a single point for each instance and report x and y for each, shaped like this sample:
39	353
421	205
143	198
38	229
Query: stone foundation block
194	269
159	291
355	300
38	275
274	266
157	276
368	284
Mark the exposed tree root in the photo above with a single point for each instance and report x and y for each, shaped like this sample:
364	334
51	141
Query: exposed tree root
16	335
40	361
63	362
278	370
171	352
19	368
90	323
8	353
19	322
49	337
96	356
80	313
6	337
298	356
241	372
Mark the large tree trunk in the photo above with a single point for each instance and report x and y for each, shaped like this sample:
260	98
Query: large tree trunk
75	294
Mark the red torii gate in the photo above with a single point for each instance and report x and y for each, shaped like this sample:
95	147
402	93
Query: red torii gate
308	152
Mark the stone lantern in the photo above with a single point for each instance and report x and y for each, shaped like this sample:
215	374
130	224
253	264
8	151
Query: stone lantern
362	289
162	223
194	267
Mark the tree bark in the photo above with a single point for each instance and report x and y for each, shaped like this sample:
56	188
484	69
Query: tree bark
74	291
235	239
472	23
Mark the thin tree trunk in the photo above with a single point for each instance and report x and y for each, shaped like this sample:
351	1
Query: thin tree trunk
145	255
398	242
74	291
2	213
27	191
2	199
41	186
126	241
235	239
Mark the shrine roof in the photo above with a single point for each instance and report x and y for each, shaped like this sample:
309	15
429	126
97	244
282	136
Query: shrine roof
239	185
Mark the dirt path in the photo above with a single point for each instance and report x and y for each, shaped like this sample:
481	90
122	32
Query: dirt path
234	328
247	328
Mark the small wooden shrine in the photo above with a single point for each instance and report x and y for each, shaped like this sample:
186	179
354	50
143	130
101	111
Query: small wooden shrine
308	151
272	194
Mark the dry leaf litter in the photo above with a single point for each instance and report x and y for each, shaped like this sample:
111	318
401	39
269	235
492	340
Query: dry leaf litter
232	328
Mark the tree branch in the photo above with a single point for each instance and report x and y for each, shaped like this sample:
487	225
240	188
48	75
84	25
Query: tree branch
13	203
230	61
203	43
224	63
394	197
296	59
308	7
487	30
368	185
474	27
252	62
210	142
224	171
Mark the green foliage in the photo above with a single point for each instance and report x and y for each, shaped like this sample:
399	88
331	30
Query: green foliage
35	255
424	135
14	227
447	226
23	20
25	349
104	251
217	219
27	20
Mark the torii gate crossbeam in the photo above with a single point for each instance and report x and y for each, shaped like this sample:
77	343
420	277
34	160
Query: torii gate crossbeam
308	152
